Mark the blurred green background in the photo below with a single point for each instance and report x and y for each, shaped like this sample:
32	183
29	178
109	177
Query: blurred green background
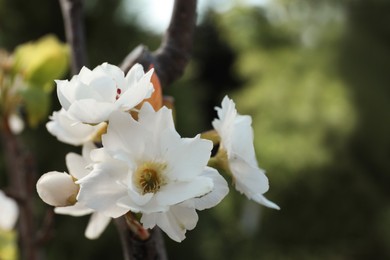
315	77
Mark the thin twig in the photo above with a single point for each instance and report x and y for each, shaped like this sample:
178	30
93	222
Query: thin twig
171	58
72	12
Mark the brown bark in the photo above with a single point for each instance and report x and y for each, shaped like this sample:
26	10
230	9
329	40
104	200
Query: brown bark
72	12
171	58
20	166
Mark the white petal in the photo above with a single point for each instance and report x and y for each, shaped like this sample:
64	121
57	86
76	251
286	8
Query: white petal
242	140
69	131
149	220
91	111
149	205
135	74
96	225
76	210
102	188
57	188
86	151
173	193
143	89
62	97
77	165
103	84
186	157
115	73
9	212
211	199
187	217
264	201
248	179
85	75
124	135
174	223
160	120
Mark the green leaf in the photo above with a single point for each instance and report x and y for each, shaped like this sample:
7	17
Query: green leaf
37	103
42	62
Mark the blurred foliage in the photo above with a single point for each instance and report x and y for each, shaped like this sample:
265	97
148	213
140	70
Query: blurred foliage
38	64
314	77
8	242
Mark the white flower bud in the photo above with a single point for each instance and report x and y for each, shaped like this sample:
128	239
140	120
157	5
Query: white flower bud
57	189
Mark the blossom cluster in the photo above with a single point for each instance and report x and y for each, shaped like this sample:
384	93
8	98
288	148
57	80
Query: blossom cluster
133	159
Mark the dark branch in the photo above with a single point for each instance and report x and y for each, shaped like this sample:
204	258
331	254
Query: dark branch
135	249
72	12
21	171
171	58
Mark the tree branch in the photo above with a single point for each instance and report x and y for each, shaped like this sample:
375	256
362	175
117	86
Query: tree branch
22	178
135	249
171	58
72	12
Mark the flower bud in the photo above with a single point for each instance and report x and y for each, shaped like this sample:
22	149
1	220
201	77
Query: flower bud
57	189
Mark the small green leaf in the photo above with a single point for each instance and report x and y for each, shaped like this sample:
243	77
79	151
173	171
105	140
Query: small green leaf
37	103
42	61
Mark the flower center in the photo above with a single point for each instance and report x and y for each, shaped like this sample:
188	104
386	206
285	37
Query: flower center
149	177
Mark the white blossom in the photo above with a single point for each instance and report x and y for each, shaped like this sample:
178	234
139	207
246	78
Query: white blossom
9	212
91	96
145	166
236	135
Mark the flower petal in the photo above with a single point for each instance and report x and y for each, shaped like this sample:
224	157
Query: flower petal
186	157
69	131
174	223
101	189
149	119
264	201
90	111
176	192
248	179
137	92
75	210
214	197
77	165
148	205
123	135
96	225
